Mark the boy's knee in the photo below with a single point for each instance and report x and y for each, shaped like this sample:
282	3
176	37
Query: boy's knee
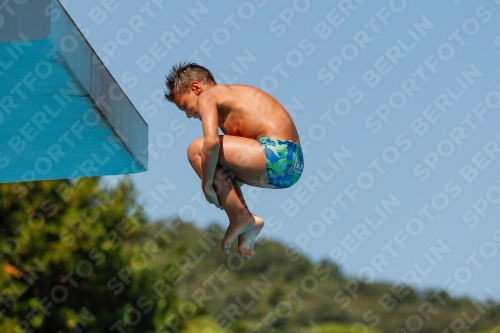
194	148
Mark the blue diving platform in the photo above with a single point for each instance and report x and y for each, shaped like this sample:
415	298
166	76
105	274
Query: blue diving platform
62	114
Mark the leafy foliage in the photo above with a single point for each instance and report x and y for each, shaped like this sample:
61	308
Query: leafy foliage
279	290
70	259
81	256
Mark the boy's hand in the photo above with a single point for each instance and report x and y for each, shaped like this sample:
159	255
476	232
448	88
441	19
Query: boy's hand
211	196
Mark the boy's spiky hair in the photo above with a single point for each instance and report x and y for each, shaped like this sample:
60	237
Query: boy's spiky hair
181	76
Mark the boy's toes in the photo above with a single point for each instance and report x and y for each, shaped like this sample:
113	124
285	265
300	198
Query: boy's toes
245	252
226	247
226	243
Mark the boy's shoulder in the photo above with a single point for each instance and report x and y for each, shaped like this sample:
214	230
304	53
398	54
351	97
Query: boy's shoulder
230	91
218	89
234	86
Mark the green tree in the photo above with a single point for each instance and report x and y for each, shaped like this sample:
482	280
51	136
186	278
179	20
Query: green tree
70	260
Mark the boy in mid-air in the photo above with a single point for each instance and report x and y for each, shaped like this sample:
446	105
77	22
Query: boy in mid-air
260	147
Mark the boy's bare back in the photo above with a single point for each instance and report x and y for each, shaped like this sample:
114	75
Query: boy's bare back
251	113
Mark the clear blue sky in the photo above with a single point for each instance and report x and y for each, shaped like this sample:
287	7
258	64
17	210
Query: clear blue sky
385	95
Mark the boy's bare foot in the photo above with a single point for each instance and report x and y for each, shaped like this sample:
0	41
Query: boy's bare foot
246	240
236	227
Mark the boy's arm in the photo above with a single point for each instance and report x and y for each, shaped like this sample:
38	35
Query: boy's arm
207	106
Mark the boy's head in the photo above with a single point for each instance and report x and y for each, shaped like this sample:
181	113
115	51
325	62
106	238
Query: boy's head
182	75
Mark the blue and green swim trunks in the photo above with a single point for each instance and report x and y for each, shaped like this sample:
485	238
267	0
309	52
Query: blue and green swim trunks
284	161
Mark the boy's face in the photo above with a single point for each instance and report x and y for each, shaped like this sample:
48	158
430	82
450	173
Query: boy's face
188	102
